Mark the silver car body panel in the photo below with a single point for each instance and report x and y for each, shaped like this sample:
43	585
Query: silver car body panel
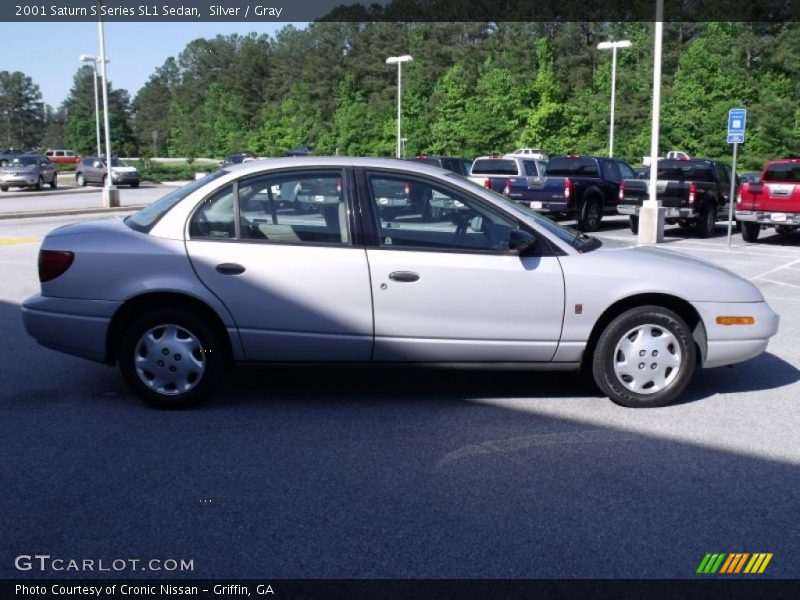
328	303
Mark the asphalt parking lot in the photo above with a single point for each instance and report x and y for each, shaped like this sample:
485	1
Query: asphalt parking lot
404	473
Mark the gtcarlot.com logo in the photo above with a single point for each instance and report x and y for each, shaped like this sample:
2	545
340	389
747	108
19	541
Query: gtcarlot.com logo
734	563
47	563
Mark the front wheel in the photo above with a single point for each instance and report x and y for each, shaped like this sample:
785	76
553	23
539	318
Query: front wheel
3	188
81	180
645	357
54	183
40	184
750	231
171	358
633	222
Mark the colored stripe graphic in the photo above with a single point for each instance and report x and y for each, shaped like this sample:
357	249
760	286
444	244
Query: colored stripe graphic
733	562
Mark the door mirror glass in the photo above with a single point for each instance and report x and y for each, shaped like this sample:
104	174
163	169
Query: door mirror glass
520	241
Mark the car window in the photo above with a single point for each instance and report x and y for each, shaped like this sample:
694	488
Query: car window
530	168
215	217
59	153
466	167
70	153
723	175
610	171
625	171
296	208
444	219
784	172
494	166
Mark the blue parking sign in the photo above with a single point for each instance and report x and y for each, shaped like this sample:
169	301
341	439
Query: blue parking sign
737	120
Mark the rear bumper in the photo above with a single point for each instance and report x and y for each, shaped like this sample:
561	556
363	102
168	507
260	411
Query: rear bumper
730	344
78	327
669	211
766	217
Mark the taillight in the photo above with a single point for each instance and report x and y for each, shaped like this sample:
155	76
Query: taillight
53	263
567	188
407	189
487	183
692	192
738	197
507	188
622	191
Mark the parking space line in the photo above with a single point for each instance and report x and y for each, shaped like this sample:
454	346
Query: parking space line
12	241
794	262
791	285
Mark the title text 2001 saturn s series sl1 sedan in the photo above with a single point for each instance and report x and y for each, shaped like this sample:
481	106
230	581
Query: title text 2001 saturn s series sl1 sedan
312	260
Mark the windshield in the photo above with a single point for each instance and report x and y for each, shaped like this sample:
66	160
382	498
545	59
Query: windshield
24	161
115	162
573	237
494	166
145	219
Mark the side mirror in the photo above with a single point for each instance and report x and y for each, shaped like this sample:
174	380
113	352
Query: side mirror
519	240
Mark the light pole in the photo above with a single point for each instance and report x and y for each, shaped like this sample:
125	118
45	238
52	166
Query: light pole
88	58
399	60
110	192
613	46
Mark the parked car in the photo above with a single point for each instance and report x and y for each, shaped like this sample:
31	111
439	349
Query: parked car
750	177
431	205
63	157
695	193
28	170
235	159
93	169
580	187
492	172
202	279
774	201
456	164
536	153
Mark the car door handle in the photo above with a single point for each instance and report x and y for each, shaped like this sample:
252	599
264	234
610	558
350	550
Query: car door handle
230	269
404	276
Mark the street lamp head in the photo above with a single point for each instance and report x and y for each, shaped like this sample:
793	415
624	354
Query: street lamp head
618	44
399	59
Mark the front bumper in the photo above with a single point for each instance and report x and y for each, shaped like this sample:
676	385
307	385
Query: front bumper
730	344
670	212
768	217
18	180
125	179
78	327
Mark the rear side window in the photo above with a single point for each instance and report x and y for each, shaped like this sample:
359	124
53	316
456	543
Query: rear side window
787	172
530	168
611	171
494	166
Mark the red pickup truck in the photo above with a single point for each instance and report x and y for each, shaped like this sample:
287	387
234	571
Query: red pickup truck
773	202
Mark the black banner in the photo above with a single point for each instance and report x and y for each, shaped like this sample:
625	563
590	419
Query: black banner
255	11
416	589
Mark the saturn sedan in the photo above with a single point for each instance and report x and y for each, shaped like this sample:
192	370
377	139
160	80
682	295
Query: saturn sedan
222	272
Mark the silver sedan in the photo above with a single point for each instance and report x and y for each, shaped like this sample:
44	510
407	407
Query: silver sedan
224	272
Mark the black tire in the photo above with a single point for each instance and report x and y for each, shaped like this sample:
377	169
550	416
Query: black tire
40	184
135	184
3	163
633	223
103	181
609	361
784	229
707	223
80	179
750	231
591	215
3	188
205	360
54	183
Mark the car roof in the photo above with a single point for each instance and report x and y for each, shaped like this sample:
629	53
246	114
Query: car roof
257	166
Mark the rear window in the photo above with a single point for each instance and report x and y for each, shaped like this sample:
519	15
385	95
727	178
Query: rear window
684	170
494	166
145	219
562	166
783	172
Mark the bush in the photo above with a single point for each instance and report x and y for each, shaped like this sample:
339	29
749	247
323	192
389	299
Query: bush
157	172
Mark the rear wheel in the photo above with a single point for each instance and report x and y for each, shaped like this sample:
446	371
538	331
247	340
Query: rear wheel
171	358
645	357
707	223
633	222
135	184
591	215
750	231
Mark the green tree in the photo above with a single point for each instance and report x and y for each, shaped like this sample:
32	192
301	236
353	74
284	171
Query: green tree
21	111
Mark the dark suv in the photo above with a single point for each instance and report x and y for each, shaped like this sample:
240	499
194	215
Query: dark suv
92	169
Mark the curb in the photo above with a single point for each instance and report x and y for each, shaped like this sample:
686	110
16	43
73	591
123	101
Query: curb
67	213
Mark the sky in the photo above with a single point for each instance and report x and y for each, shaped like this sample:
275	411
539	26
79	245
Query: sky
48	52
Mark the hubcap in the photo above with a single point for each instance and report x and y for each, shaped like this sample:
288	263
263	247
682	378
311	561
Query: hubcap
169	359
647	359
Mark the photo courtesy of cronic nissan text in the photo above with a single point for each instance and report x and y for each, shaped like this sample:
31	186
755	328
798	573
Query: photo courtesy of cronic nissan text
399	299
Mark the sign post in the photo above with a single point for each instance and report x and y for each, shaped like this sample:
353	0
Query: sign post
737	121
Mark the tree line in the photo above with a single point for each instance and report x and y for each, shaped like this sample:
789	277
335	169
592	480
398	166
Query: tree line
472	89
